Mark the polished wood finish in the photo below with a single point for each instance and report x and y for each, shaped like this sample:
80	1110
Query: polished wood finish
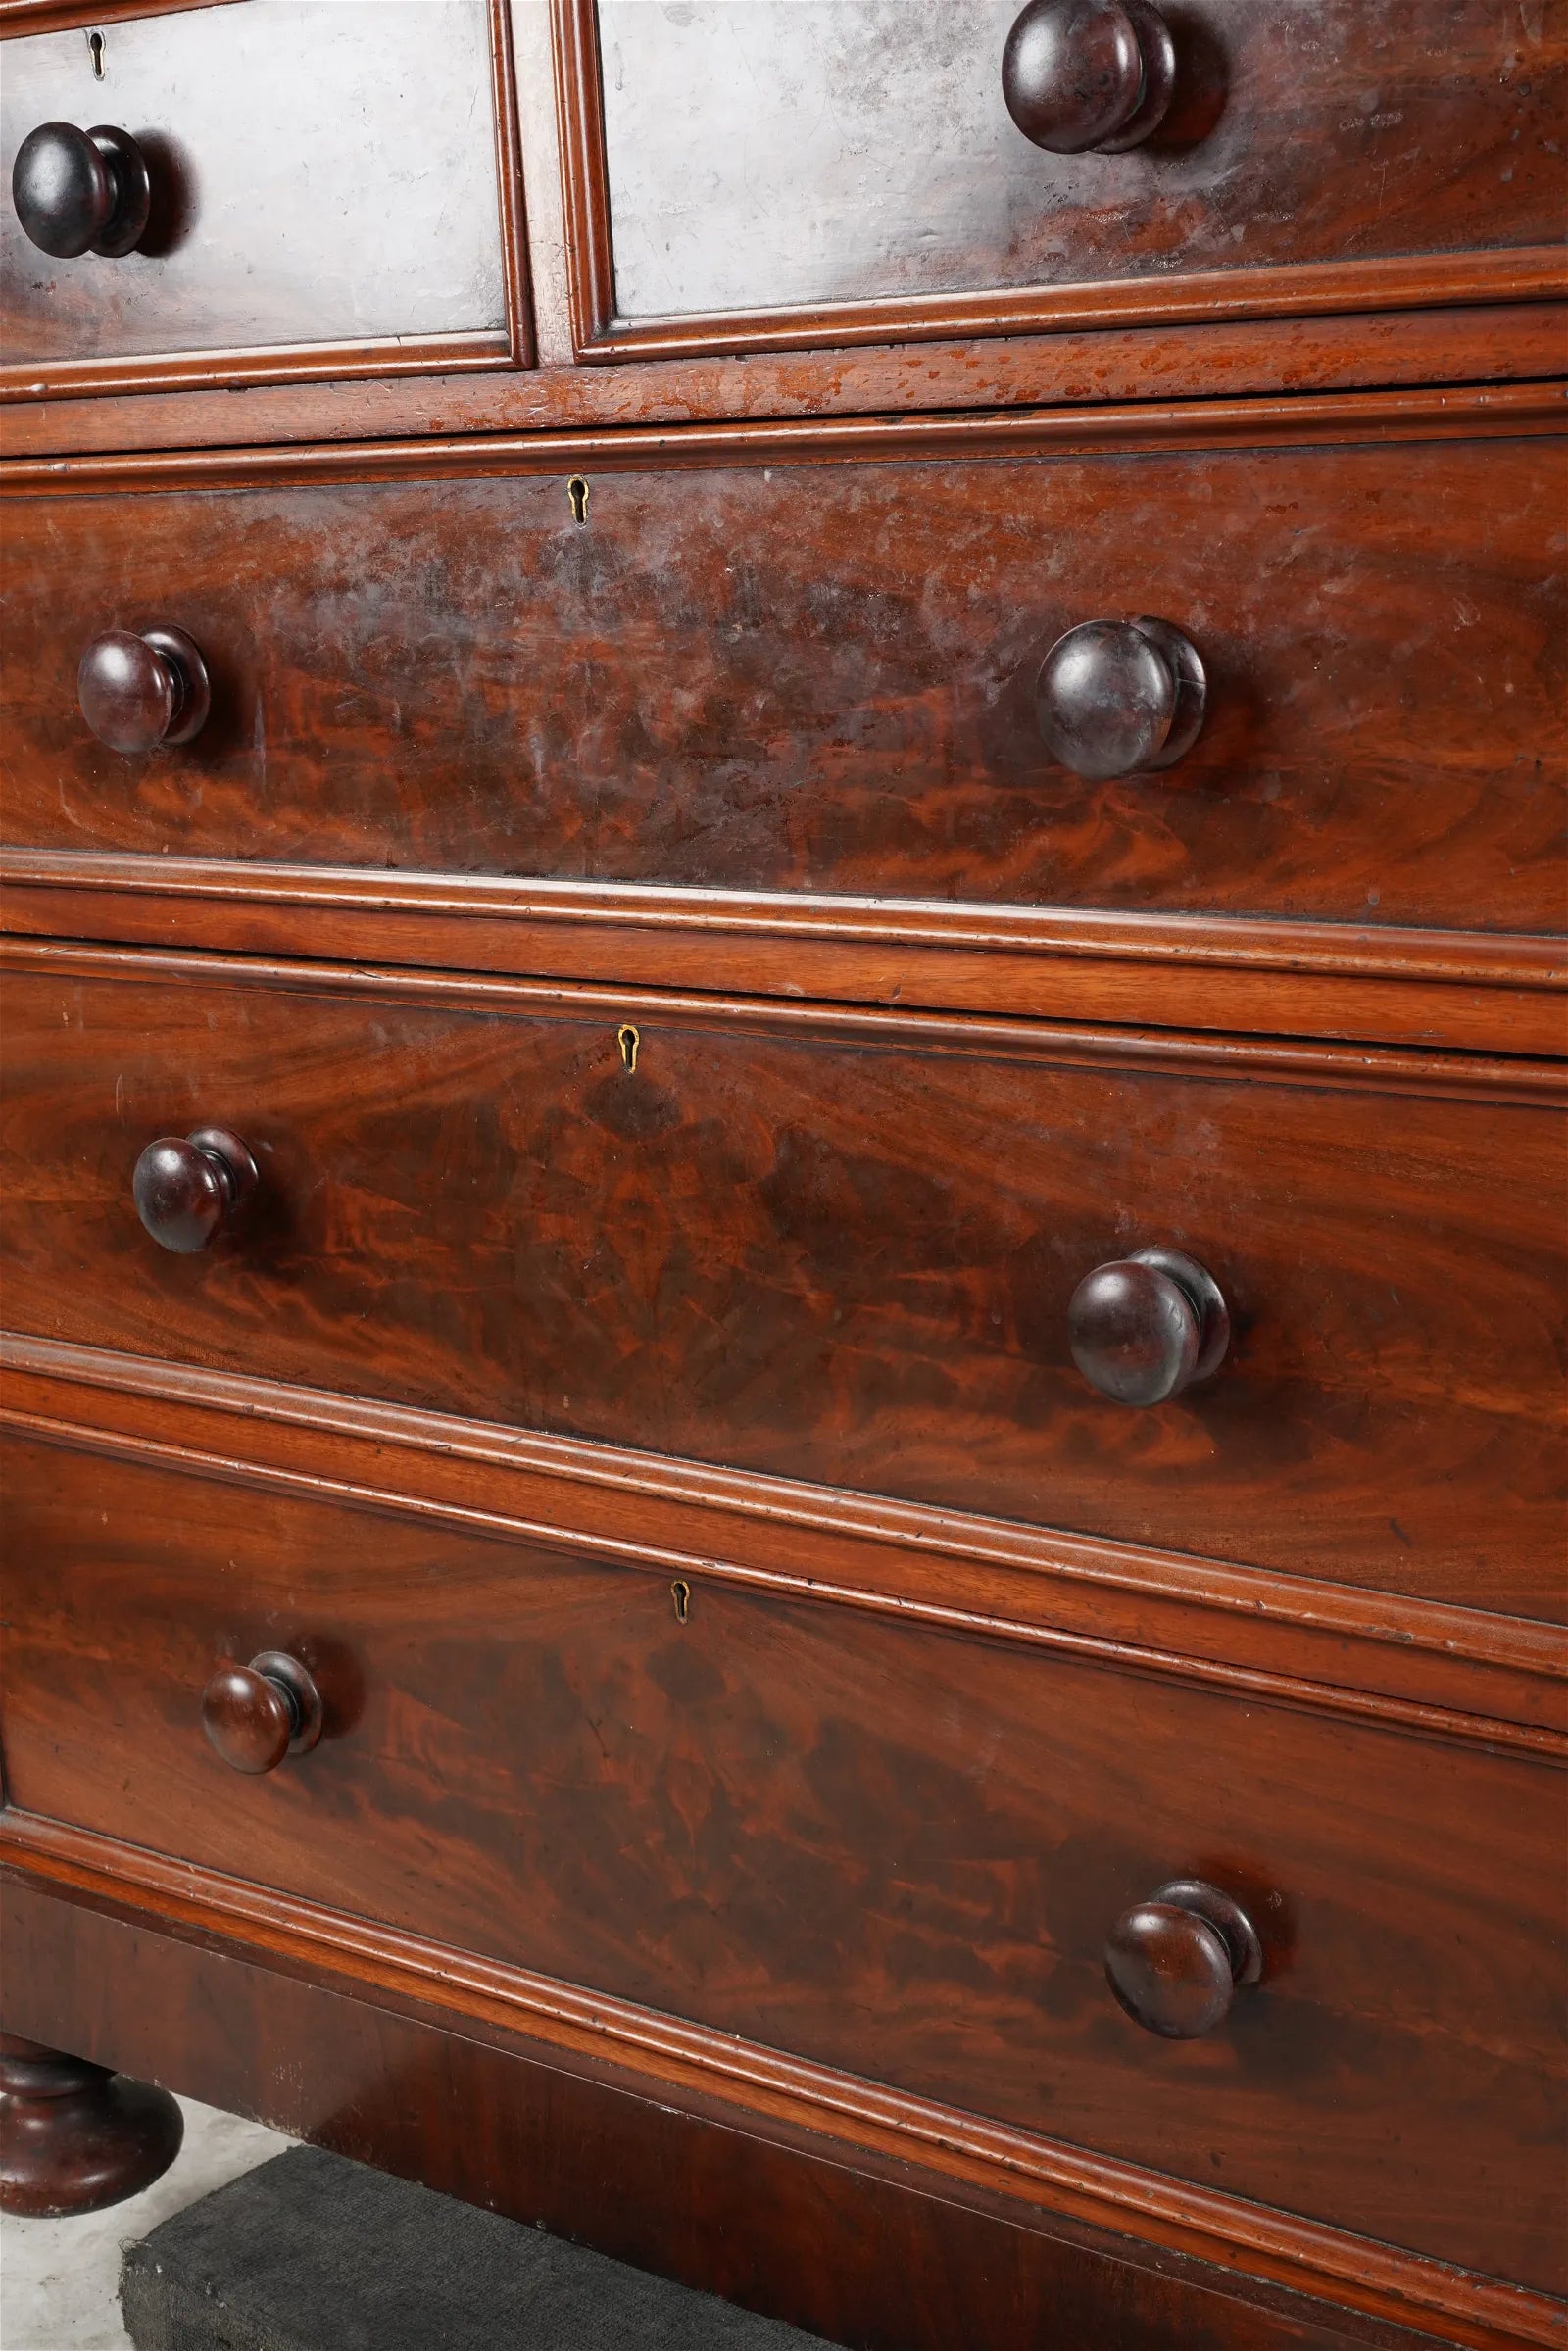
1496	343
74	2136
1143	1329
1120	698
1088	76
139	692
1176	1962
270	250
838	1246
81	191
1272	187
829	434
1426	1666
853	2246
850	705
257	1715
188	1189
1426	988
960	832
765	1819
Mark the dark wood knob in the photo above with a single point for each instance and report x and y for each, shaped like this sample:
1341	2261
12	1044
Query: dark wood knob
1087	76
1146	1326
1175	1962
81	191
188	1188
1117	695
138	693
255	1715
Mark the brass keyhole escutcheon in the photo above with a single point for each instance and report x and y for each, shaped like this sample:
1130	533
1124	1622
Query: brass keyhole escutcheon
680	1592
578	492
628	1040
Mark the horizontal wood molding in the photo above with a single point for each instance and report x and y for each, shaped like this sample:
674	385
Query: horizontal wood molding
262	364
1460	2307
1262	1060
1430	988
1440	413
21	17
387	355
1417	1665
1534	273
1499	343
850	2245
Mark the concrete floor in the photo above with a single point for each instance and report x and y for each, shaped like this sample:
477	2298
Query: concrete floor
59	2279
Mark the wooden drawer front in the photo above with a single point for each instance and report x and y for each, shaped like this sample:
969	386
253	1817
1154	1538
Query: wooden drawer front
270	226
892	1850
847	151
837	1248
823	678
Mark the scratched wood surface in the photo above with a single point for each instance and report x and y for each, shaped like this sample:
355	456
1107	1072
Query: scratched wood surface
894	1851
841	1258
790	678
812	151
271	224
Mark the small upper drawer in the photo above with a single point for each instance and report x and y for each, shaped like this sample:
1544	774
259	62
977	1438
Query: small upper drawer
840	156
849	1248
314	180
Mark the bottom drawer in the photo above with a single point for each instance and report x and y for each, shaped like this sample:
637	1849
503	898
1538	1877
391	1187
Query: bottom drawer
890	1849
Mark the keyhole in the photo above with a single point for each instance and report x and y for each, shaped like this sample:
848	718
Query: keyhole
96	42
578	492
627	1038
680	1592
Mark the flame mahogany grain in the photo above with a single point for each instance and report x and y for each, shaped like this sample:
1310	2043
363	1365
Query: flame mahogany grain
774	677
852	2246
831	1246
767	1819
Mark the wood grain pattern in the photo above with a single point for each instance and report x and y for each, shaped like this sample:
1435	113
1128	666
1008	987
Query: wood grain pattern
1269	189
417	268
1442	1671
1494	992
851	2245
769	1820
844	1256
751	678
1489	344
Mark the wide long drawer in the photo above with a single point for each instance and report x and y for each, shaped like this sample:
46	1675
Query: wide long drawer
824	678
843	1247
896	1851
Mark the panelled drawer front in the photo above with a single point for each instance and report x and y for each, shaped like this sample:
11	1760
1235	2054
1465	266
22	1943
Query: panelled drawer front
823	678
850	150
270	222
893	1850
835	1247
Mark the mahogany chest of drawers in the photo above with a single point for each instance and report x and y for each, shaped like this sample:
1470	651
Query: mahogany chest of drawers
784	1244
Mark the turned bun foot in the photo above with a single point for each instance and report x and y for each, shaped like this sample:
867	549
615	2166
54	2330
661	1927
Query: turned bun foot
74	2136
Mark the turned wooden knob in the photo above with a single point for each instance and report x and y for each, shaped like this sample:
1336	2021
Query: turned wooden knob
1174	1962
1087	76
81	191
255	1715
188	1188
140	692
1147	1326
1117	695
